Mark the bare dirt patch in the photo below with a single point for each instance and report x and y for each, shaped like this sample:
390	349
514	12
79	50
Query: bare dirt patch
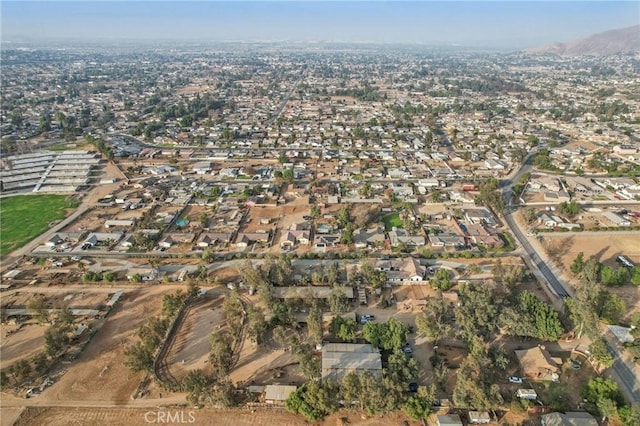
191	348
20	342
213	417
605	248
99	374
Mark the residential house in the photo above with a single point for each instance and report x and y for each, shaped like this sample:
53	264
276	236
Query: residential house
145	274
402	271
479	235
480	216
365	238
616	219
537	363
210	239
278	394
292	238
398	236
570	418
449	420
479	417
447	239
329	240
492	164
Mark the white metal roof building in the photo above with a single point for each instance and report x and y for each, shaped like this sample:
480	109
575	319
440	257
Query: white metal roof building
339	359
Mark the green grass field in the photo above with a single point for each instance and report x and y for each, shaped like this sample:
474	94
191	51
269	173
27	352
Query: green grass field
392	220
24	217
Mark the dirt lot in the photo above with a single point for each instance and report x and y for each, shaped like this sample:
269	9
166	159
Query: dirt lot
100	374
256	417
20	342
191	347
605	248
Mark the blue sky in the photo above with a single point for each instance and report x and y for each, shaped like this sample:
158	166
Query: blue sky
474	23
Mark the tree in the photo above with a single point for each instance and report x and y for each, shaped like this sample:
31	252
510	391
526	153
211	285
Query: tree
569	208
635	276
583	307
435	320
599	352
314	323
577	264
21	369
418	406
389	335
599	389
234	313
532	317
613	308
346	236
507	276
258	326
529	215
343	328
171	303
65	317
473	389
309	363
436	195
314	399
138	358
478	311
40	362
441	280
350	388
338	302
37	306
4	380
490	195
371	276
109	276
221	354
198	387
401	368
366	190
55	340
315	211
203	389
152	332
343	217
518	154
287	175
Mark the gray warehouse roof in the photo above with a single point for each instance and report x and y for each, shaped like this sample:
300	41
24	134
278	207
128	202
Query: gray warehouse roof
338	359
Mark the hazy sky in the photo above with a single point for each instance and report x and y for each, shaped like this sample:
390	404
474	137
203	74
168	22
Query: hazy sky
474	23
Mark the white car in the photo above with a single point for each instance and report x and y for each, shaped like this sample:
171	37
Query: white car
531	234
515	379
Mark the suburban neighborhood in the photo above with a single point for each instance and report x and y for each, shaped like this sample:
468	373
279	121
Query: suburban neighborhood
320	234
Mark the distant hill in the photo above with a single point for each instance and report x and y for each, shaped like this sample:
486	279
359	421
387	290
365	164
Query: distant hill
611	42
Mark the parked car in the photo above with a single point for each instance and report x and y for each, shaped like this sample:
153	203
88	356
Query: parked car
515	379
413	387
366	318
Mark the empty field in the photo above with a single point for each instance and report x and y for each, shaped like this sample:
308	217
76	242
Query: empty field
24	217
190	350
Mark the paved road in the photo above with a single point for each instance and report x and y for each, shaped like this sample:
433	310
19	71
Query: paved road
623	369
602	234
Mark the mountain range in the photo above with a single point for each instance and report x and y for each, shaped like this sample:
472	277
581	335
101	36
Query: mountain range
623	40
